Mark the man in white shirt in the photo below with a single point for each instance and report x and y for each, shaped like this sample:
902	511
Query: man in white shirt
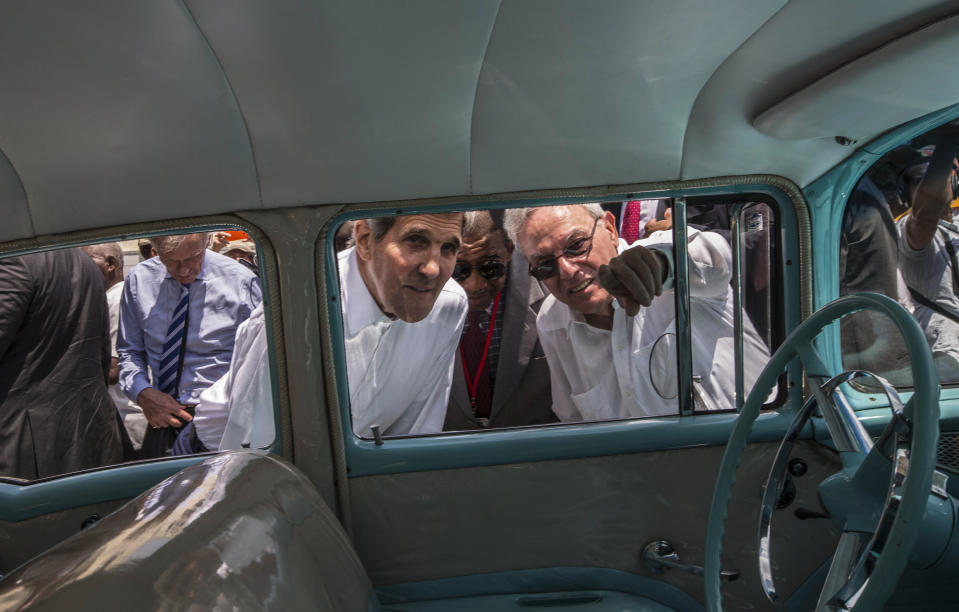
402	317
237	410
109	258
610	304
928	242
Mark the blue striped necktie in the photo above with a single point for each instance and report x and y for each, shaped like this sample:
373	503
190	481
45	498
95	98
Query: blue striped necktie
168	379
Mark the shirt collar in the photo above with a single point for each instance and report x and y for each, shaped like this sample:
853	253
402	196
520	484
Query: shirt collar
363	310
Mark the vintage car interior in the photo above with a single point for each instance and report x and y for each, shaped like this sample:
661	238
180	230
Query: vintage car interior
830	484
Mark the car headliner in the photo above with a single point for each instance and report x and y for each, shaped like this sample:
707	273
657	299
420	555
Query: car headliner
118	112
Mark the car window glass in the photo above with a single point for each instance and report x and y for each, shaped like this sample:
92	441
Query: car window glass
898	238
732	331
498	319
109	350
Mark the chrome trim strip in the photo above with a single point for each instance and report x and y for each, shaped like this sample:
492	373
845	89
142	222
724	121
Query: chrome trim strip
734	227
681	288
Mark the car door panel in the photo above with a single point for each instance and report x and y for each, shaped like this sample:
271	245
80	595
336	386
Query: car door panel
589	512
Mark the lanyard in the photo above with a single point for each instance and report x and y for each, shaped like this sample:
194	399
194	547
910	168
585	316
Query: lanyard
472	385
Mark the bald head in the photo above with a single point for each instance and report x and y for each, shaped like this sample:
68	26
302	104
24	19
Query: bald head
109	258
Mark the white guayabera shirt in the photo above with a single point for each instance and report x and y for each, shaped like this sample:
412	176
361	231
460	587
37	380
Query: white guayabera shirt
599	374
399	373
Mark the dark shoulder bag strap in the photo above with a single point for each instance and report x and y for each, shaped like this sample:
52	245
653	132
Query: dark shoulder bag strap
923	300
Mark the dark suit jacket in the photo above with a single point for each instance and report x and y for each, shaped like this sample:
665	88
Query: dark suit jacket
55	414
522	392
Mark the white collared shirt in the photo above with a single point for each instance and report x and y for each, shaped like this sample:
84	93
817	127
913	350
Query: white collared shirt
399	373
929	271
237	410
113	304
599	374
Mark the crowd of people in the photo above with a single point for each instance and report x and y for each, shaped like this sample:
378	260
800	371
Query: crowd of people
452	321
527	317
99	367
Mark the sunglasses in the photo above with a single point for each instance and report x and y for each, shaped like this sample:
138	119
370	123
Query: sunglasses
576	249
489	270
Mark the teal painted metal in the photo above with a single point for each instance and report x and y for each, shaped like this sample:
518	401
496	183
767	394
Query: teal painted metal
827	197
457	450
448	451
876	416
848	506
936	541
277	447
19	502
539	581
925	421
591	600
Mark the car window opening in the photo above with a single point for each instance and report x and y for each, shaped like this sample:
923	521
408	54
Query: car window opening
159	349
554	314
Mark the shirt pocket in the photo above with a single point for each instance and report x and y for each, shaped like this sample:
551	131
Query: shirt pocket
600	402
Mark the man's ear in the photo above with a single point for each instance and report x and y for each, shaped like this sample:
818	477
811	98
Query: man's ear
363	238
509	248
609	221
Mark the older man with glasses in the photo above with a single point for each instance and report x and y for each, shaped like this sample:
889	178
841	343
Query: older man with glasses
178	318
611	303
501	378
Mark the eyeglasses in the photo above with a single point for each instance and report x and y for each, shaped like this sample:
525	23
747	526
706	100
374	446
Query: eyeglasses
489	270
575	250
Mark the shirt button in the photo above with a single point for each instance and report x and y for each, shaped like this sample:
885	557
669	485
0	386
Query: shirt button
620	347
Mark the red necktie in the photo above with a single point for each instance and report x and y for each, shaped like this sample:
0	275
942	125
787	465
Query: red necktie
630	224
473	345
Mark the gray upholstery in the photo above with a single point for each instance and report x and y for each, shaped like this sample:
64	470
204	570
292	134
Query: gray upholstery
135	112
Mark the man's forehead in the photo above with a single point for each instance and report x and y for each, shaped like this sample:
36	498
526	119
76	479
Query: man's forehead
444	226
492	243
191	246
552	225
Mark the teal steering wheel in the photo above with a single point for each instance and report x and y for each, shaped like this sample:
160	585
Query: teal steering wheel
912	484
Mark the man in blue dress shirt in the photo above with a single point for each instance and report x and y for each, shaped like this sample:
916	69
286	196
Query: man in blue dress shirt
178	319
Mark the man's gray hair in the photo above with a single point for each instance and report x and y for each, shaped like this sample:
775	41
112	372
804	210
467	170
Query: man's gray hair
516	218
380	225
482	222
171	242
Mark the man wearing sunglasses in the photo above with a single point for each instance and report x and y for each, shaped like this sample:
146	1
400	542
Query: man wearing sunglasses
501	378
611	302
